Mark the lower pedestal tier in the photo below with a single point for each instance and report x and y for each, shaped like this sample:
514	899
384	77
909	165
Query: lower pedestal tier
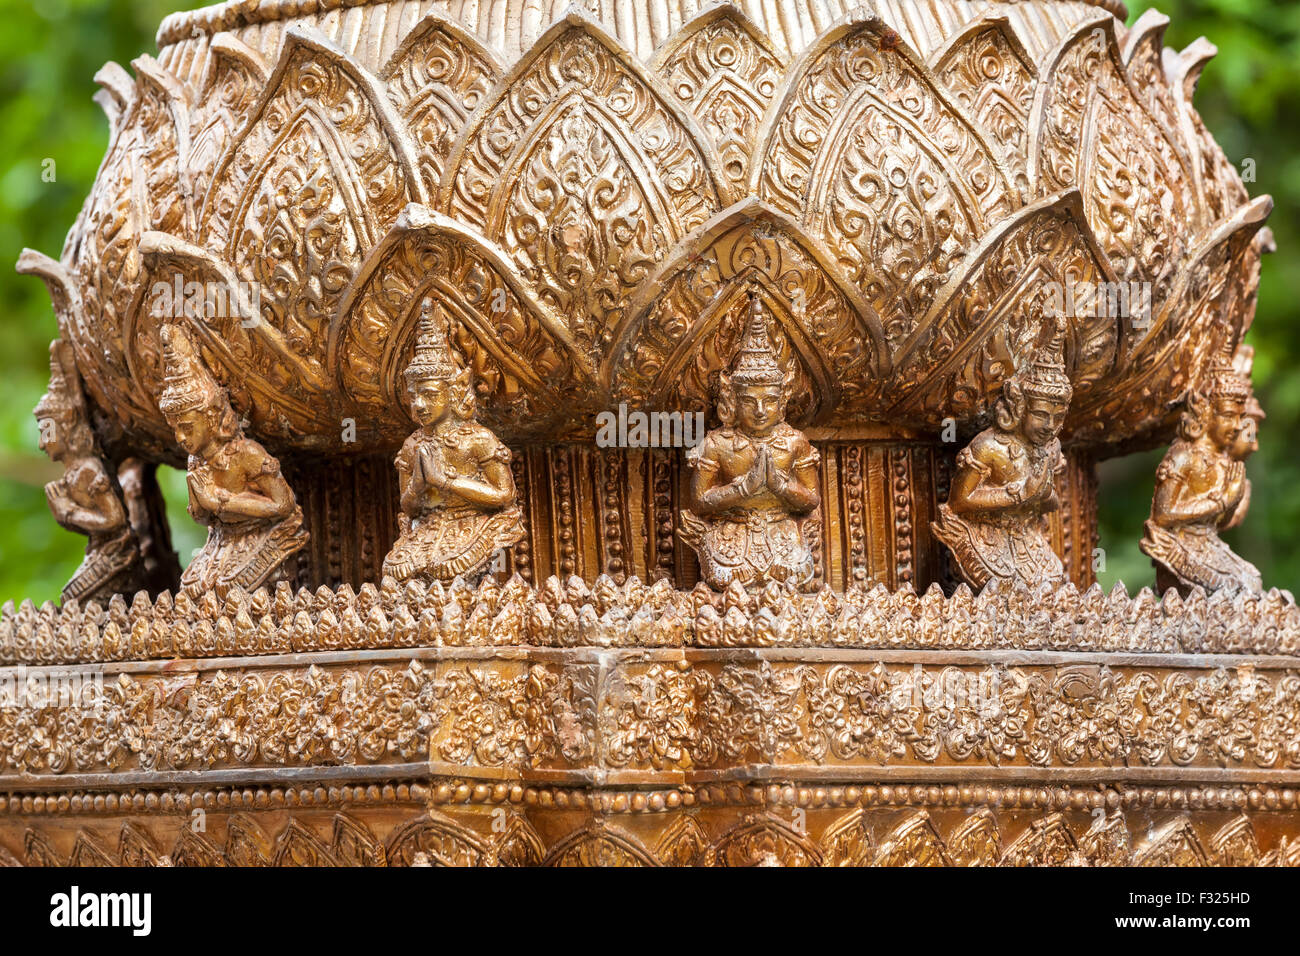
781	756
445	821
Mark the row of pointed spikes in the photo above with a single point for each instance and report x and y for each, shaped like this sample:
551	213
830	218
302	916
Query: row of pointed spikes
607	613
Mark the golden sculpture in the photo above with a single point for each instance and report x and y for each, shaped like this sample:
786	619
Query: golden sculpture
899	310
1202	488
1005	485
603	204
457	493
236	489
755	478
86	499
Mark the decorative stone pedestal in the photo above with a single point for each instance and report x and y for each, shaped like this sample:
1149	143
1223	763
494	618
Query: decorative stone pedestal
904	749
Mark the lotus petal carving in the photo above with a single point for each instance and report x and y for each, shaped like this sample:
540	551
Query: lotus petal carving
922	186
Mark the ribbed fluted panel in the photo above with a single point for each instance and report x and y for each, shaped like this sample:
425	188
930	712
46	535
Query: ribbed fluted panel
372	31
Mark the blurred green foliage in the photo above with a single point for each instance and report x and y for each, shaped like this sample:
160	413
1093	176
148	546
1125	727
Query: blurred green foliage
50	50
49	53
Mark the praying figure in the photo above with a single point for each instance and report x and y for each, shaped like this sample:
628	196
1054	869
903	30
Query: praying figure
457	492
995	520
87	498
254	523
1202	488
755	478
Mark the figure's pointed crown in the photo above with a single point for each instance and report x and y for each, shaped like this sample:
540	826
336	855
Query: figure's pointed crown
187	383
63	400
433	357
1228	384
1243	362
1045	377
756	361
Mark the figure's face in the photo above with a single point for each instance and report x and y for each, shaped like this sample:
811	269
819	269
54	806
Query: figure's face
1043	420
193	430
1233	431
429	401
759	408
51	438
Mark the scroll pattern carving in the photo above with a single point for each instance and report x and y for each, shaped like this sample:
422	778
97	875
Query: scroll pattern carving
1091	129
236	75
901	183
518	351
306	189
726	71
985	324
702	715
992	76
829	337
764	838
1220	276
436	79
586	171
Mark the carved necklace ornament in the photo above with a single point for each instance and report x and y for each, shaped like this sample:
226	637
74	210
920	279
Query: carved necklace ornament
1202	488
1005	484
236	489
457	490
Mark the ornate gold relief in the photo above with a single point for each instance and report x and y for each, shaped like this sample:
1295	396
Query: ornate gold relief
1005	481
598	845
756	478
86	499
1218	278
236	489
763	840
726	71
1202	489
1090	129
826	334
985	322
457	490
914	842
584	172
1045	842
635	614
617	209
519	349
1174	844
319	170
436	78
235	77
992	76
976	842
394	831
899	184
